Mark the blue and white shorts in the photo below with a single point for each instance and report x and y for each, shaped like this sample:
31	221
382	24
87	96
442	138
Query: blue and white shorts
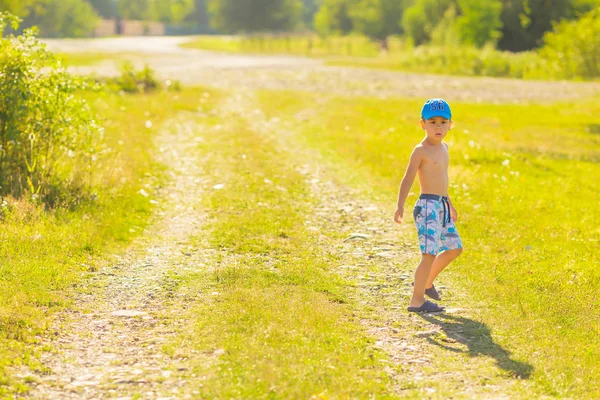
437	232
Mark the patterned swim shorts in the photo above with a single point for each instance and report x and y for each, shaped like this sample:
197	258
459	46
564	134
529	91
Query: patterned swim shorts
437	232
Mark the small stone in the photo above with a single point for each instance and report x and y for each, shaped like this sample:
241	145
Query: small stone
426	333
128	313
219	352
357	236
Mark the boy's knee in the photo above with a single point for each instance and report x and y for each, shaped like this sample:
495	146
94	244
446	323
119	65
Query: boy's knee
427	257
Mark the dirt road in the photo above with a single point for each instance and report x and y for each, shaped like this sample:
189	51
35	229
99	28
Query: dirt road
231	71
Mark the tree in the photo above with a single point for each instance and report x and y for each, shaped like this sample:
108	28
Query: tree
247	16
479	21
378	19
135	9
526	21
62	18
171	11
471	22
310	9
334	17
200	13
167	11
420	20
105	8
20	8
573	47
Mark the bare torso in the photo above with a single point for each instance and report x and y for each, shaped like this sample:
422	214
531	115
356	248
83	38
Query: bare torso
433	171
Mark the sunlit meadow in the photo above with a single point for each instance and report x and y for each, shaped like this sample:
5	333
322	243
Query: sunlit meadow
523	181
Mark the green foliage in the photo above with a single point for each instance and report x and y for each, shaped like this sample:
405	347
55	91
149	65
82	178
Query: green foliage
247	16
450	59
572	49
63	18
310	45
469	22
479	22
200	13
134	81
105	8
48	135
378	19
17	7
420	20
310	9
526	21
172	11
167	11
446	32
333	18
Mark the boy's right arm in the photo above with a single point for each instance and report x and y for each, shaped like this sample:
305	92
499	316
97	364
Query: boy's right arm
409	176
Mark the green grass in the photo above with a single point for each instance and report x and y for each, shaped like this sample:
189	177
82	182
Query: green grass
45	254
272	305
358	51
87	59
300	45
455	60
523	181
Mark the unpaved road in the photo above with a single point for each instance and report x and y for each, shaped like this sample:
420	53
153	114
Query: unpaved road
231	71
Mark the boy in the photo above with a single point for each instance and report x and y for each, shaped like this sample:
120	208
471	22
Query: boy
434	213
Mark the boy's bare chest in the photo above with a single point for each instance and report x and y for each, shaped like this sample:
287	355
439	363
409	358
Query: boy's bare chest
436	159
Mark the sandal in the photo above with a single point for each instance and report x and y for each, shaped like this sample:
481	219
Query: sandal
432	293
427	307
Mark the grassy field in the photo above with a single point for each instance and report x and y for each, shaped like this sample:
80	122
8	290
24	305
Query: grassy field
46	254
85	59
275	318
309	45
522	179
357	51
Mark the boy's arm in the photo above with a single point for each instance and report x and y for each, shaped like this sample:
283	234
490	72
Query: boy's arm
409	176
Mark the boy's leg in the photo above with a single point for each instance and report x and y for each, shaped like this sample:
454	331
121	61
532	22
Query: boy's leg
441	261
421	275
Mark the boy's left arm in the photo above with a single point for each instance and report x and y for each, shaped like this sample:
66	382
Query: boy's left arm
453	212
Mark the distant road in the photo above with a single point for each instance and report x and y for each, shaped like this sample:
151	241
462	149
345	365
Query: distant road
169	51
283	72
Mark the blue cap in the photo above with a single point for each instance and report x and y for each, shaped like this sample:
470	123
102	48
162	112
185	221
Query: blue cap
436	108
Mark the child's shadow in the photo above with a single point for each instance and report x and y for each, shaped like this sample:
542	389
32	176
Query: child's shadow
477	337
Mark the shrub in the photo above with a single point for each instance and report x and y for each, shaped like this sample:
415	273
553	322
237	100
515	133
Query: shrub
138	81
572	49
48	135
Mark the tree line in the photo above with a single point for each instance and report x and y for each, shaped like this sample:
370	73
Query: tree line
513	25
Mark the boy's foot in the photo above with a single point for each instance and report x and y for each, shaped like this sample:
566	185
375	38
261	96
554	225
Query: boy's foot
427	307
432	292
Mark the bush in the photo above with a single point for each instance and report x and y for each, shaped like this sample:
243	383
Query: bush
134	81
572	49
48	135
